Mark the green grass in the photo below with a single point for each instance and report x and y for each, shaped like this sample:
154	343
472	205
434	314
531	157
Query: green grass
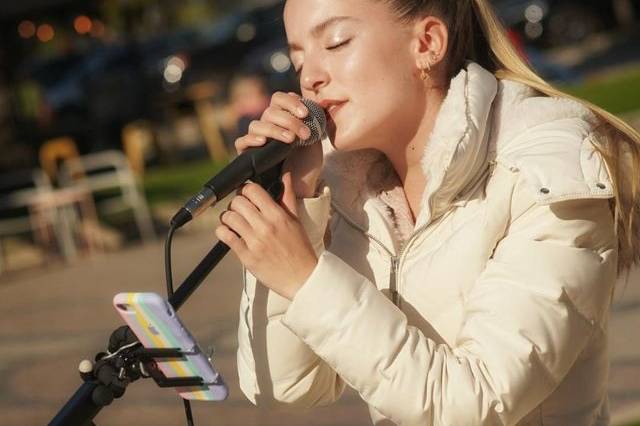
178	182
617	93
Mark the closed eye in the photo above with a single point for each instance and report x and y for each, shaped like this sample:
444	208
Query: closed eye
339	45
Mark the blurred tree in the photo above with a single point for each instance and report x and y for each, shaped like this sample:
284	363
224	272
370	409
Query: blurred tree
14	155
195	12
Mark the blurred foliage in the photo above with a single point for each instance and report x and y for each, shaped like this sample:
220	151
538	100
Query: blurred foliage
617	92
195	13
145	18
178	182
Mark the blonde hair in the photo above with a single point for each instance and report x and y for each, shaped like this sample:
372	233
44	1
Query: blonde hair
477	34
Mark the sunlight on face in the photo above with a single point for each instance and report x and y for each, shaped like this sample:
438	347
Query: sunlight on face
354	58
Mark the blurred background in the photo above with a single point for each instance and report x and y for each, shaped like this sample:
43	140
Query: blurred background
114	112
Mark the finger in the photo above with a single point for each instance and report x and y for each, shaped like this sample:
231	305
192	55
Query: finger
289	201
260	198
287	121
290	102
262	213
270	130
245	208
230	238
236	223
249	141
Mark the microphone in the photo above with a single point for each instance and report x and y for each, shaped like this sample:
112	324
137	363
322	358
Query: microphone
248	165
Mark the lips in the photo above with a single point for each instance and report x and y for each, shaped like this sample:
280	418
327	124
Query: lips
331	107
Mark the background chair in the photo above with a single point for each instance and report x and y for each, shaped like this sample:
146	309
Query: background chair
109	177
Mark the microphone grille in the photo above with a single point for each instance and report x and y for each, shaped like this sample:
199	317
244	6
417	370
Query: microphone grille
316	121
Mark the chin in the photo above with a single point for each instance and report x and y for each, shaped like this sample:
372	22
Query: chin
344	140
343	144
337	137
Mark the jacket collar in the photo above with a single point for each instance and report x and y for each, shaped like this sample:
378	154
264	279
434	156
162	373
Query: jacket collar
456	156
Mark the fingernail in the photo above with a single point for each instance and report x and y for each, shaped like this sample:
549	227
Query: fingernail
305	132
302	112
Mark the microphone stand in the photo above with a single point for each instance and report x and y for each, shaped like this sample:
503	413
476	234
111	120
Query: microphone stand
113	372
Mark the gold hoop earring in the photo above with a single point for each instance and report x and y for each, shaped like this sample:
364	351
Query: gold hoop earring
424	71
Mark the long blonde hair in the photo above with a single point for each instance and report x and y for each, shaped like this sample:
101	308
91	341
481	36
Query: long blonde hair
476	34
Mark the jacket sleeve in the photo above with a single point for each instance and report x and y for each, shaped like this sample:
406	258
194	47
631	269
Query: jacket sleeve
527	318
274	365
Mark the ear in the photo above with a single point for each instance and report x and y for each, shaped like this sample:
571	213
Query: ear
431	40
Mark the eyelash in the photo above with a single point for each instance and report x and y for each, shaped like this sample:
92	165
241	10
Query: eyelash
339	45
334	47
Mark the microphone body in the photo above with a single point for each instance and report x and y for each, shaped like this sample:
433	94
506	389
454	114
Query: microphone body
248	165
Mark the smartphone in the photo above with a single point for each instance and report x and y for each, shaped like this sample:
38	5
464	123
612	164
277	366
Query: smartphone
156	325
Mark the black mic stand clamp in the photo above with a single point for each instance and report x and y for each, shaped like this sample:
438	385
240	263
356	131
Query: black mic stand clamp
107	379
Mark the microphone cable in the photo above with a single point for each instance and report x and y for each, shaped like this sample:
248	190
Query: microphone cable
167	261
169	278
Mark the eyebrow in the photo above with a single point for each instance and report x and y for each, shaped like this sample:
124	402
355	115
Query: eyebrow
322	27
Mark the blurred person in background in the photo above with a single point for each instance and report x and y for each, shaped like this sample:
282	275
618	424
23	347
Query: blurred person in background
249	96
450	250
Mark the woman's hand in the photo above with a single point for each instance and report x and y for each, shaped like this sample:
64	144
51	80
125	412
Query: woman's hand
268	238
282	121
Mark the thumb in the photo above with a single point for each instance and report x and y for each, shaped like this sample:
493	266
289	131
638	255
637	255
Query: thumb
288	196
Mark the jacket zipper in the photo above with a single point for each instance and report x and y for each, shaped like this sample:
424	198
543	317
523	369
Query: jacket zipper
401	255
396	260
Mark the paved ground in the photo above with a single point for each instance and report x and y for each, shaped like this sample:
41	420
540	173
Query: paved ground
51	318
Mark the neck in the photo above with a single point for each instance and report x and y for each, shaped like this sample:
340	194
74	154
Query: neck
406	156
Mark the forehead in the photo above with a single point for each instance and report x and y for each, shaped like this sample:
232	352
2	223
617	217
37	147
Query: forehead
312	6
301	17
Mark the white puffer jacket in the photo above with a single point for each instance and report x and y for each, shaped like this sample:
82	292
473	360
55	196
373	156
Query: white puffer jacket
491	309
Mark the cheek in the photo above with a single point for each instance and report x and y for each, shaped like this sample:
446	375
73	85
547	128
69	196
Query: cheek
382	75
381	101
378	79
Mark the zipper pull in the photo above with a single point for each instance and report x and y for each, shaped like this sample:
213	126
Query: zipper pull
492	167
392	281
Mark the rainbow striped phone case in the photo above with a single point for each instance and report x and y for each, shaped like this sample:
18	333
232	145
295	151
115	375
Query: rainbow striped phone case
156	325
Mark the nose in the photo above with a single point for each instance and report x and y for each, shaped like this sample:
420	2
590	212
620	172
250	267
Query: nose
314	76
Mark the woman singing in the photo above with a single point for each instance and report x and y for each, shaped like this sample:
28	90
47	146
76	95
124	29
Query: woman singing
450	250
